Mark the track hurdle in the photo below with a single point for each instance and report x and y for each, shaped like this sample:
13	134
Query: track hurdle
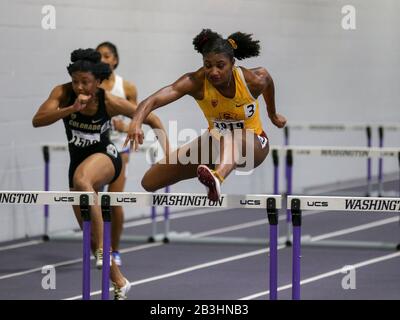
186	237
354	204
382	129
83	199
49	148
324	151
333	127
250	201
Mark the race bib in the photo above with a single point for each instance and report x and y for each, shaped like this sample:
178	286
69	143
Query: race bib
222	126
249	110
263	141
81	140
112	150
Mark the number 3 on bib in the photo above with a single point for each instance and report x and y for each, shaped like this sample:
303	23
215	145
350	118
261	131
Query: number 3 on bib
249	110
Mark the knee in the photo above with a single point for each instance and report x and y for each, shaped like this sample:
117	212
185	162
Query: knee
81	183
147	184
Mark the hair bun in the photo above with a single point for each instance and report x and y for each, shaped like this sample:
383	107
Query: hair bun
86	54
204	37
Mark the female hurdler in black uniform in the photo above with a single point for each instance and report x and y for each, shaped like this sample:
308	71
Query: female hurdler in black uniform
86	110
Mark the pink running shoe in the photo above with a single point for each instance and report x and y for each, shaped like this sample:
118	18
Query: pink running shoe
210	181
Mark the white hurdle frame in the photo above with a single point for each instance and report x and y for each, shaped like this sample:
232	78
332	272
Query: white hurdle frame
296	204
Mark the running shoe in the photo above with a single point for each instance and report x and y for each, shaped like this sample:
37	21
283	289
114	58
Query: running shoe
98	255
210	181
121	293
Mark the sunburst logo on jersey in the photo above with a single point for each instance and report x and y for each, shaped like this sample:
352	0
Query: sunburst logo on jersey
228	116
73	116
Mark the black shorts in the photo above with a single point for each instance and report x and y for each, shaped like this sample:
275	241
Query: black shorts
76	161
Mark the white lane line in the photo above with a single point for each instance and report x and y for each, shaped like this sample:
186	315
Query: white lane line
282	217
245	225
228	259
72	261
346	185
144	221
141	222
175	215
150	245
327	274
186	270
20	245
129	249
202	234
231	228
355	229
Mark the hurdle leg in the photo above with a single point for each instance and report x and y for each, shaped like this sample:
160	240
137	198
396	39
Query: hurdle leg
289	167
273	248
398	158
152	238
106	213
380	165
85	212
369	161
46	156
275	159
166	220
296	220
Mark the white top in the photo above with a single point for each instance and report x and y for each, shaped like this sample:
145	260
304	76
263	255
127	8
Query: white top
116	137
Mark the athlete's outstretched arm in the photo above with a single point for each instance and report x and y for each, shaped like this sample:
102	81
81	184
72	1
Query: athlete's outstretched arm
268	93
116	106
50	111
184	85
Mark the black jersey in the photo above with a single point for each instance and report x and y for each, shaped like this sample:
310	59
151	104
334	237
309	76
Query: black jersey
89	134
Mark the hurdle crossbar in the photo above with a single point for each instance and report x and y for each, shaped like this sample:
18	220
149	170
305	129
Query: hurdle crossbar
192	200
327	126
334	151
363	204
391	126
45	197
357	204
